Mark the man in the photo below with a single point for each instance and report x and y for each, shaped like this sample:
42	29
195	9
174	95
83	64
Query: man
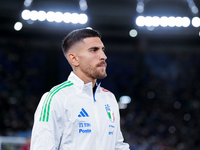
79	114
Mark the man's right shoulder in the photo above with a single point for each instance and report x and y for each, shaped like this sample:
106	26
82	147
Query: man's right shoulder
55	96
62	86
66	86
62	89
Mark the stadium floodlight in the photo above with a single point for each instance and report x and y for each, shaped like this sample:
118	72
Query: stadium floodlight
50	16
155	21
83	18
177	22
186	21
172	21
192	6
140	21
54	16
58	17
27	3
125	99
164	21
33	15
42	15
196	22
67	17
83	5
122	105
148	21
25	14
18	26
140	7
194	9
133	33
75	18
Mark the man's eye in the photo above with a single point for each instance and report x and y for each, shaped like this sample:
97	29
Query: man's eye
93	50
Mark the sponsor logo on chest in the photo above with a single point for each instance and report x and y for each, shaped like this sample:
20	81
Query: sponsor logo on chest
84	127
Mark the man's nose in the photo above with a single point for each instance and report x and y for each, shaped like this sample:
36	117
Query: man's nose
103	55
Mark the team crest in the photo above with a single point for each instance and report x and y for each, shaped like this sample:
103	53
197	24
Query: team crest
110	113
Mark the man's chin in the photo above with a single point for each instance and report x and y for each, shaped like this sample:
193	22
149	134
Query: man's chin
101	76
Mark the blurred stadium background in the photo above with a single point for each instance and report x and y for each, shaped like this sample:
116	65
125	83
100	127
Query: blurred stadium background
153	49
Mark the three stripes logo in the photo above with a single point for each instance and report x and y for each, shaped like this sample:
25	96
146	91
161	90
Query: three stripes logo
83	113
44	116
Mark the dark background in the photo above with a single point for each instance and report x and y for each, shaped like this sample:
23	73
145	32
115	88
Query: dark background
158	69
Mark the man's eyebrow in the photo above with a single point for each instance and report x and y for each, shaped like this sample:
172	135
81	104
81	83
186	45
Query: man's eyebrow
96	47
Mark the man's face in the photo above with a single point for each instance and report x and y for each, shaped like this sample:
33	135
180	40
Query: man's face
92	58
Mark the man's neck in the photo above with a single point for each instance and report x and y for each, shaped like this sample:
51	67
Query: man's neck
85	78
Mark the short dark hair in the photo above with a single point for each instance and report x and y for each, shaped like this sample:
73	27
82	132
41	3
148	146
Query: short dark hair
76	36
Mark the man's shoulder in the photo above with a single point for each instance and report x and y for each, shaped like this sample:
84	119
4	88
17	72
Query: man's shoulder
105	90
111	97
62	85
57	94
108	92
62	89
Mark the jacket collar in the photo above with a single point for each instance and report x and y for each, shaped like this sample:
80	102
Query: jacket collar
75	79
80	84
82	87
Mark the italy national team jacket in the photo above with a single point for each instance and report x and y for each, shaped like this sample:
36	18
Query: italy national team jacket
71	117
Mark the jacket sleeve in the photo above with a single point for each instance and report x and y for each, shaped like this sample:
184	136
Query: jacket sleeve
119	144
47	128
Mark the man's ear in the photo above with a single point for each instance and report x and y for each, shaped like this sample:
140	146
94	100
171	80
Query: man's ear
73	59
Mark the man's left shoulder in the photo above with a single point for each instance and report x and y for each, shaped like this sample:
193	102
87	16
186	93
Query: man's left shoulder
107	92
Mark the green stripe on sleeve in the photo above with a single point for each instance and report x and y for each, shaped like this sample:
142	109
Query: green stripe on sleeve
46	99
47	119
46	105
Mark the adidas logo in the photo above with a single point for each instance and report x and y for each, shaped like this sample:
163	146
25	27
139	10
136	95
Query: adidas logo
83	113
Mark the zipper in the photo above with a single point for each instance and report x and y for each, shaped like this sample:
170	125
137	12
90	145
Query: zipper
97	121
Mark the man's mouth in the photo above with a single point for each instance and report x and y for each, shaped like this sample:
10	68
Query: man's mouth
102	64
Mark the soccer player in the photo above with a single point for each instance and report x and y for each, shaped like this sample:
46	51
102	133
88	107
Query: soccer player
79	114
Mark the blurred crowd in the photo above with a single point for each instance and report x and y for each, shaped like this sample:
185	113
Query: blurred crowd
165	92
21	84
164	88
